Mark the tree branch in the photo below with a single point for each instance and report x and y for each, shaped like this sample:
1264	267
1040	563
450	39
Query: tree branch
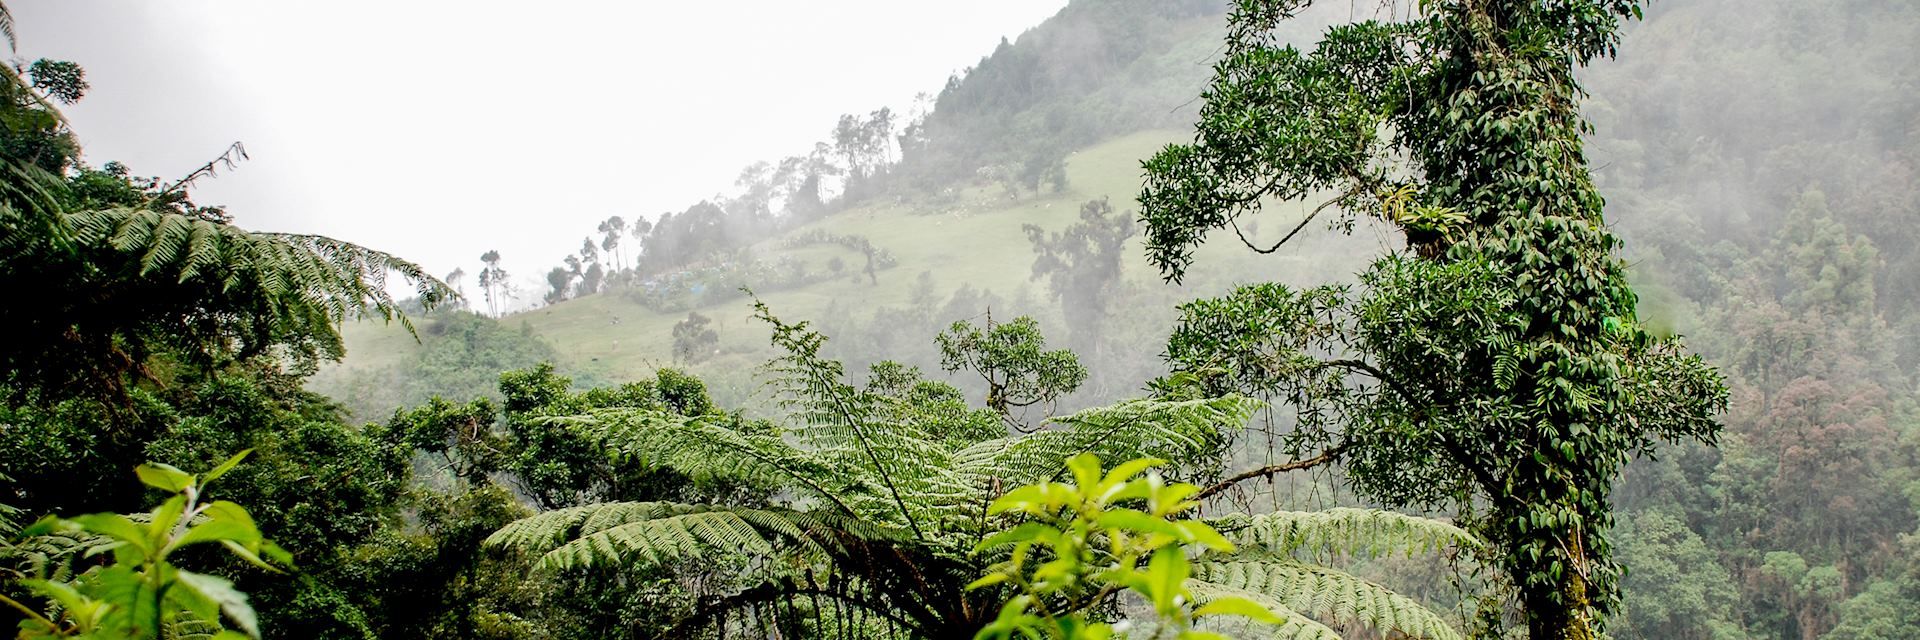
1296	228
230	158
1269	471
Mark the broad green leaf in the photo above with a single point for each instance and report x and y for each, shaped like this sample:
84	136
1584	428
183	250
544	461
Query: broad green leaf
1035	499
275	553
231	601
988	581
1025	532
249	555
1172	499
224	467
59	592
116	527
185	596
1167	575
1135	490
1056	573
218	530
1086	470
164	518
1124	473
46	525
1237	606
1136	521
164	477
1197	532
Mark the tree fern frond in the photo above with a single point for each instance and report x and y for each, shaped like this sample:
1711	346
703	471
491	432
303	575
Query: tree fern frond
698	446
203	252
183	625
653	533
839	420
298	276
1370	532
1171	430
168	237
6	28
1326	594
49	554
1293	625
28	205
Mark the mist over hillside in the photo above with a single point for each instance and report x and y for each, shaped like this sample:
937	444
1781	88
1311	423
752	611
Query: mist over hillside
1758	159
793	402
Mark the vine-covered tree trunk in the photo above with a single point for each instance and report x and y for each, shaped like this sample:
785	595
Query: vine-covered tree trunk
1504	368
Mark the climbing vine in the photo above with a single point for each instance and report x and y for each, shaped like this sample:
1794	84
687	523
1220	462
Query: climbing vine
1497	366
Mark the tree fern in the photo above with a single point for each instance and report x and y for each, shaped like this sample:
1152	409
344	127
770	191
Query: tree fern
1325	594
133	279
647	532
701	447
1268	562
885	490
1146	428
296	273
838	420
880	501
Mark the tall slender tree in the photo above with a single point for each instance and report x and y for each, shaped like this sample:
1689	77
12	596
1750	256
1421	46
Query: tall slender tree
1497	365
615	230
493	283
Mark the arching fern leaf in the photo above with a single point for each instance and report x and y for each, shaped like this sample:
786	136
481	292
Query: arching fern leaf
297	273
1293	625
133	279
1327	594
1345	530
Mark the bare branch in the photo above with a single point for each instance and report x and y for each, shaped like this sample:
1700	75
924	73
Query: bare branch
1296	228
228	159
1268	471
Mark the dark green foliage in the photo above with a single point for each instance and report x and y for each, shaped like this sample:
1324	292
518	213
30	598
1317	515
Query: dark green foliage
143	592
693	339
465	352
1677	587
1886	609
461	356
432	581
1500	369
35	139
1013	360
880	497
322	486
63	81
1806	502
157	328
526	441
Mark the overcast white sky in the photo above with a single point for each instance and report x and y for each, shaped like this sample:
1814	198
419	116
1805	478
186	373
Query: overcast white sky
437	130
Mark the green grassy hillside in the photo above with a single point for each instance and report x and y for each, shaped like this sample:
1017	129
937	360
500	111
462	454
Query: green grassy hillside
969	236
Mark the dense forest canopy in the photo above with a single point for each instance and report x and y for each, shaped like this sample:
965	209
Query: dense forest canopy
1197	319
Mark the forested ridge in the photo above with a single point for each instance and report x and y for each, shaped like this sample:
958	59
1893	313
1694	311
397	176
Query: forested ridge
1188	319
